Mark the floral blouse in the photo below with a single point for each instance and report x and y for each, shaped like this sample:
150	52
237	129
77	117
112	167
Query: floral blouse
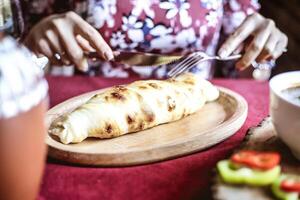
160	26
22	85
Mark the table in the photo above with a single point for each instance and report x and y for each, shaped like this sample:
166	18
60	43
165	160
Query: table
187	177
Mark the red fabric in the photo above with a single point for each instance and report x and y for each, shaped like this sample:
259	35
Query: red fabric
187	177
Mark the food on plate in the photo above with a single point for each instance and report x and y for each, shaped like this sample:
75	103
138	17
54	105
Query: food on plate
134	107
255	159
250	168
260	169
245	175
286	187
290	184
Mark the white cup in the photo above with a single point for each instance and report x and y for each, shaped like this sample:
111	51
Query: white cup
285	114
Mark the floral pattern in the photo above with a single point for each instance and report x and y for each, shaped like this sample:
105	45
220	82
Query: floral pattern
103	12
177	7
160	26
143	6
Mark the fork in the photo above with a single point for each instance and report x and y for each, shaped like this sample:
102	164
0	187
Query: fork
193	59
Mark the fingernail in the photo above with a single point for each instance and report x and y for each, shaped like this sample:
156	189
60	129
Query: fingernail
84	65
116	53
66	61
108	55
222	53
242	69
240	66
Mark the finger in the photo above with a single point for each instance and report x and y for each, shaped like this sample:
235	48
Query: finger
84	44
38	54
94	38
269	47
56	47
256	46
243	46
242	32
43	47
239	49
73	50
280	46
36	51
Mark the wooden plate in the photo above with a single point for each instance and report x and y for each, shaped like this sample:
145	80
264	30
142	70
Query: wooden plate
215	122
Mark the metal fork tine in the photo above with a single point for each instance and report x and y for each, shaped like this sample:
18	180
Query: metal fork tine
182	68
183	62
187	67
194	59
181	65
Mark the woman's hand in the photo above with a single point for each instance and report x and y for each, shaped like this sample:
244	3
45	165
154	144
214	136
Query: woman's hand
267	41
69	36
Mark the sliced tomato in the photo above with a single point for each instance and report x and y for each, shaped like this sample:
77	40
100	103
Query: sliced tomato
291	184
256	159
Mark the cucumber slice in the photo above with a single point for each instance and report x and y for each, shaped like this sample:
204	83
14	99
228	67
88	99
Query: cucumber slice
246	175
279	193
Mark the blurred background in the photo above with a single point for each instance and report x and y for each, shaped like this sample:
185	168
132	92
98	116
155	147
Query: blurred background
286	14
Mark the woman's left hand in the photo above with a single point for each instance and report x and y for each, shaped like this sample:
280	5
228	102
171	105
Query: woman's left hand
267	41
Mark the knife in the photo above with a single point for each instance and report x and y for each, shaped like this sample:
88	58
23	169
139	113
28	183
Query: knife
125	57
139	58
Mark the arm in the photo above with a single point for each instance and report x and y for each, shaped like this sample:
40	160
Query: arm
258	36
22	154
65	35
69	36
22	130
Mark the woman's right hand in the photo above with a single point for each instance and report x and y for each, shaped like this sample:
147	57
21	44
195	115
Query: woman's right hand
69	36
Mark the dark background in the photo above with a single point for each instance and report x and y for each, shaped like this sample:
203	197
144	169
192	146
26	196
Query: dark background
286	14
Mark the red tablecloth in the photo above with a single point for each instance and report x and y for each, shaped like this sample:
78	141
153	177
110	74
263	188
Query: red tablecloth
187	177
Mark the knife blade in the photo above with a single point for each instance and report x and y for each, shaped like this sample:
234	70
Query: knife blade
139	58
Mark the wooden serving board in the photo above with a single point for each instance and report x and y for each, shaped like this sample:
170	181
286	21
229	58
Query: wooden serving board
215	122
263	138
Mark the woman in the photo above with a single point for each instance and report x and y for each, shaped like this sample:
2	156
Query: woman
23	93
165	26
22	131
